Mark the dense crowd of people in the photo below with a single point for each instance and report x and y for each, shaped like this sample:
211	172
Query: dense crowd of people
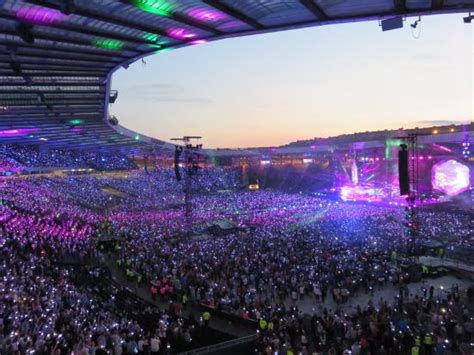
283	248
13	158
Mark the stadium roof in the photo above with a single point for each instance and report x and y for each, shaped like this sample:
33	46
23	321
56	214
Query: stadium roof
57	56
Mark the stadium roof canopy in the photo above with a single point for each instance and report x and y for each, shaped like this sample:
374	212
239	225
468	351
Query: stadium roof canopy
57	56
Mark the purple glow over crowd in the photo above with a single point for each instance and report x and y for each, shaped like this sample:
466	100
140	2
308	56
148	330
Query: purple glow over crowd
287	256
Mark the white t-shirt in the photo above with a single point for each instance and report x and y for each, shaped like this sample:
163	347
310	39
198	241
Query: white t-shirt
154	345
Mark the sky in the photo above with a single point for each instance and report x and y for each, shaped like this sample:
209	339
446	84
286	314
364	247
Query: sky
272	89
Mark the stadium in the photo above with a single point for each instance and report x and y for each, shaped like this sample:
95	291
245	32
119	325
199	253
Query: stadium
117	242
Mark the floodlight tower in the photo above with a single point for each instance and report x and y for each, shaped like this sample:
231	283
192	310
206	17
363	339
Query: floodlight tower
191	168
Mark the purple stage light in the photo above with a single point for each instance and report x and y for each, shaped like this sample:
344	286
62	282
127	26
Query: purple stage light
40	15
206	15
450	177
181	33
361	193
17	132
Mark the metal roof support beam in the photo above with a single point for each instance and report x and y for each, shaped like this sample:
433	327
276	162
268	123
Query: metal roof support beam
45	105
18	112
67	50
88	86
55	74
86	31
315	9
51	100
234	13
50	92
24	51
35	65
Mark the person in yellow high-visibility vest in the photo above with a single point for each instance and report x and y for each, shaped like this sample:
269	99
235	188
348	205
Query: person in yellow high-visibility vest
394	255
415	350
184	301
207	317
417	341
262	323
425	269
428	343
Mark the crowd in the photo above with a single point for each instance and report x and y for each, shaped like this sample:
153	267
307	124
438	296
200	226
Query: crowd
13	157
426	324
288	248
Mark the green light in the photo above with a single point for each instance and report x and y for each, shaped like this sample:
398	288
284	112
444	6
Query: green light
137	137
157	46
390	143
163	50
156	7
109	44
75	121
151	37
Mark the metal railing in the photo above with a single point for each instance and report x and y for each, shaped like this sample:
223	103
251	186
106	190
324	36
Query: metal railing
221	346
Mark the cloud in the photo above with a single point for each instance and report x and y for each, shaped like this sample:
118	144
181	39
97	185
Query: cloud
152	87
441	122
191	100
422	57
163	93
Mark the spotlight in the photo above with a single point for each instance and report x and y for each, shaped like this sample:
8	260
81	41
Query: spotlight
468	18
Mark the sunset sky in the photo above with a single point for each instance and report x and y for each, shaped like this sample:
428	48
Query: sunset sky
271	89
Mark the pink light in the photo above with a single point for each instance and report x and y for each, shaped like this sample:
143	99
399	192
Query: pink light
442	147
198	41
206	15
17	132
450	177
40	15
180	33
361	193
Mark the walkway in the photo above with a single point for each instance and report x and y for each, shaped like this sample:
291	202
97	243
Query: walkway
223	325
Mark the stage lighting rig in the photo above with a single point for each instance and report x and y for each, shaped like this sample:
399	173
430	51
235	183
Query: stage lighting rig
191	168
